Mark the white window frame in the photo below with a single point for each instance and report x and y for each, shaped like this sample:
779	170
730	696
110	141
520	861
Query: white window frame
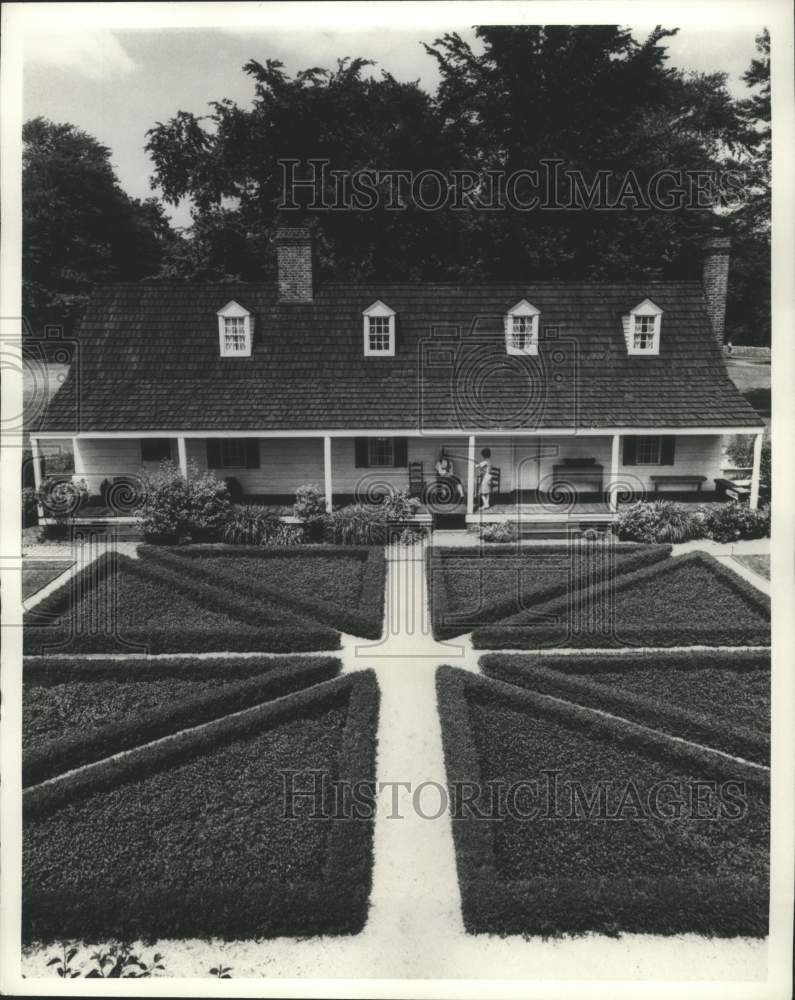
645	438
379	310
226	463
645	310
380	465
234	311
526	311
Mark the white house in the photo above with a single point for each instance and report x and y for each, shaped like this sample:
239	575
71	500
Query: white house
584	392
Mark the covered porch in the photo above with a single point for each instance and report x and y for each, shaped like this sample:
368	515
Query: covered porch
582	476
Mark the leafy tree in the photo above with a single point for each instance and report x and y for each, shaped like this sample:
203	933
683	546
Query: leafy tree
748	312
79	227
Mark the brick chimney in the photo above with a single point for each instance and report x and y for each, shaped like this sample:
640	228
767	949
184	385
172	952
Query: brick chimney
294	264
715	279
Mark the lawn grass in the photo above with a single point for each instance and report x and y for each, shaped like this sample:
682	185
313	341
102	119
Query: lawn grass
339	586
189	838
471	589
36	574
690	600
118	604
716	699
626	863
757	563
81	712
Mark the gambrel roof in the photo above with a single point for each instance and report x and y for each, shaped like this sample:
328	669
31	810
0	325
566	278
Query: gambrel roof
148	359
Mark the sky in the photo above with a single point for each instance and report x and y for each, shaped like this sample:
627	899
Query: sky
116	84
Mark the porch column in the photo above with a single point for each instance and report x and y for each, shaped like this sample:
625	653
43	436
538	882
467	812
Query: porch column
327	471
754	500
471	475
37	470
613	487
182	452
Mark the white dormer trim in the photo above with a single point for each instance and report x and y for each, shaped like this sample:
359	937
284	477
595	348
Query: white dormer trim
379	336
529	317
642	328
230	342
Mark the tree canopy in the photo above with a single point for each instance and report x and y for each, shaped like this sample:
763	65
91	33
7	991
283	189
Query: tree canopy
79	227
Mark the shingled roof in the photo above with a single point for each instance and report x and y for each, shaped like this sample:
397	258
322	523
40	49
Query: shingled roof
148	360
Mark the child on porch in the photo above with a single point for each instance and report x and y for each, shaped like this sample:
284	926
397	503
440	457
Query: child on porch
484	478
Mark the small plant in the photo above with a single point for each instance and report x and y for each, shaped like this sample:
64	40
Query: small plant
399	506
659	521
221	971
310	507
357	524
250	524
63	962
120	962
502	531
733	521
285	534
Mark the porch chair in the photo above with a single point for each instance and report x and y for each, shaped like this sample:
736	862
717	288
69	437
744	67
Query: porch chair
496	480
416	480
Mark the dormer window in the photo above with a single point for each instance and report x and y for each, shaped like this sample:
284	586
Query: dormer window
379	331
642	328
234	331
521	329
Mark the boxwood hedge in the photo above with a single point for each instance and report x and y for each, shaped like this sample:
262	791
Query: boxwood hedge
686	601
188	837
561	870
135	728
118	604
311	581
577	683
469	590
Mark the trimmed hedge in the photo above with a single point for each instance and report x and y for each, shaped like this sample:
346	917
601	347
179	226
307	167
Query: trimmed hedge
689	600
565	875
220	860
36	574
76	749
537	674
545	575
160	611
217	563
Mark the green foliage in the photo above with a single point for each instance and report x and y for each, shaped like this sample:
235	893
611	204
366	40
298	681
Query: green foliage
310	507
733	521
214	795
357	524
178	510
221	971
250	524
740	451
119	961
658	521
564	872
63	962
80	227
500	531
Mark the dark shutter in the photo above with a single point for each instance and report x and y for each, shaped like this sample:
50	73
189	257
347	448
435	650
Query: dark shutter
360	453
213	453
630	450
667	449
252	453
401	452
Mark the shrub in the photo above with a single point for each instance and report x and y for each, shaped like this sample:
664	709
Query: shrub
177	510
729	522
357	524
503	531
310	507
399	506
30	508
658	521
741	454
285	535
250	524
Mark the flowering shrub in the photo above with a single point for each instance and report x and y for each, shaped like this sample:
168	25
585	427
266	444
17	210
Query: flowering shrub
178	510
658	521
729	522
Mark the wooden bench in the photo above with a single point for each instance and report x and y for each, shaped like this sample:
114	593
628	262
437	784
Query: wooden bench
731	490
697	481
